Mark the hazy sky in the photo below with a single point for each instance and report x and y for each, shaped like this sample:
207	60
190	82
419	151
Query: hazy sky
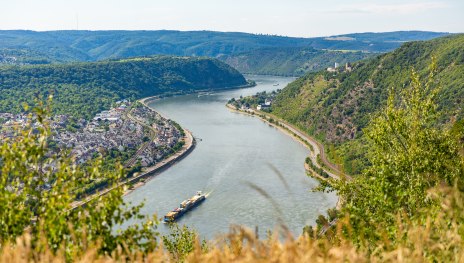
306	18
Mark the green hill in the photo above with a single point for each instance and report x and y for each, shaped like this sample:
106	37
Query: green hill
335	107
290	61
82	89
67	46
23	57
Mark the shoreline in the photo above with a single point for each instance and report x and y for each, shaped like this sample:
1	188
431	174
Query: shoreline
309	171
145	100
298	135
154	170
190	143
150	172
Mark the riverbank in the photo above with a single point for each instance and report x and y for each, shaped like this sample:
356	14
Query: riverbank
149	172
153	171
234	155
158	97
315	147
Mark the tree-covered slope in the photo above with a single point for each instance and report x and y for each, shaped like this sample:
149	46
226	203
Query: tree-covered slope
290	61
84	88
23	57
336	107
65	46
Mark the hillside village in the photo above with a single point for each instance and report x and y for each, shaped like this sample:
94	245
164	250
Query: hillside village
126	127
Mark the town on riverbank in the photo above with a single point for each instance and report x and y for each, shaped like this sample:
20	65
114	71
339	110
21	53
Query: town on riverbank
129	133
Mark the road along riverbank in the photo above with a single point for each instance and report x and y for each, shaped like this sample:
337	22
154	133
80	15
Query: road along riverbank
316	148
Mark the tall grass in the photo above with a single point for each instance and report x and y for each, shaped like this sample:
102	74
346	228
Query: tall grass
436	237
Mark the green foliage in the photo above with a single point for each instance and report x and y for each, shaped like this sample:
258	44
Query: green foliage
178	146
38	193
290	61
319	170
409	155
82	89
254	100
351	155
336	107
178	127
23	57
181	241
67	46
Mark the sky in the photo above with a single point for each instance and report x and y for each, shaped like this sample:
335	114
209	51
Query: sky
299	18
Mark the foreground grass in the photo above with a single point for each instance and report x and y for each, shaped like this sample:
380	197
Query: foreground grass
437	240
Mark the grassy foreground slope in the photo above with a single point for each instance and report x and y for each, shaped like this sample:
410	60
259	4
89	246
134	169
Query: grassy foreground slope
336	107
81	89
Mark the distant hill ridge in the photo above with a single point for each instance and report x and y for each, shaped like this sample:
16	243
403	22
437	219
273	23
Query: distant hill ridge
66	46
84	88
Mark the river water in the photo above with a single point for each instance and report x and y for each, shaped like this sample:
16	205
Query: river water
235	155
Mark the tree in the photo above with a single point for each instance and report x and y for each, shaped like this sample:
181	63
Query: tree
181	241
410	154
38	193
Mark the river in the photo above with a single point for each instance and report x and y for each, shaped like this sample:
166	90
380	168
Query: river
234	155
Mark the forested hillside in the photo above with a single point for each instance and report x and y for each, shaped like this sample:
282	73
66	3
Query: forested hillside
81	89
335	107
23	57
66	46
290	61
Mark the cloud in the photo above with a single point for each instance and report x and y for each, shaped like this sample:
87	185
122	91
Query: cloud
404	9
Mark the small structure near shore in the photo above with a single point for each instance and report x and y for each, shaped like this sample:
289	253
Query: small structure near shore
263	107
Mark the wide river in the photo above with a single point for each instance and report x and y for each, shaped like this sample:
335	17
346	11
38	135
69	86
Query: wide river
235	155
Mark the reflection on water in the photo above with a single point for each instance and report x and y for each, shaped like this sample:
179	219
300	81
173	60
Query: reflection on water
237	157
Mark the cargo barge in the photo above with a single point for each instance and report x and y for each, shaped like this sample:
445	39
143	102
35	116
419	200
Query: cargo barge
184	207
